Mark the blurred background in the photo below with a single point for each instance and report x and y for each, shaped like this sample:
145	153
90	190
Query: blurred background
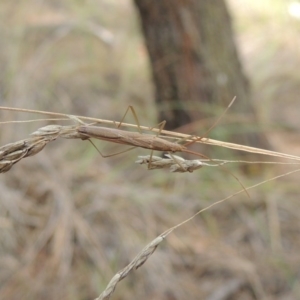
70	219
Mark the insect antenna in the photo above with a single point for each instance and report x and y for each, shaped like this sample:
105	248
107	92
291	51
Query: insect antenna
212	126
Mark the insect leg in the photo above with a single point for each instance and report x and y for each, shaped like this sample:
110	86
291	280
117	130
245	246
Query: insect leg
130	107
161	126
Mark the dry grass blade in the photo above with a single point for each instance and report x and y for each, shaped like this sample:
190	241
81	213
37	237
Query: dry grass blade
12	153
166	134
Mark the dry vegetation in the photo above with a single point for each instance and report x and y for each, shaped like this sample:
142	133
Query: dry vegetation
70	220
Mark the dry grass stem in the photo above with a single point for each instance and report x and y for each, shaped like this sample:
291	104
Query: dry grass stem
141	258
165	134
12	153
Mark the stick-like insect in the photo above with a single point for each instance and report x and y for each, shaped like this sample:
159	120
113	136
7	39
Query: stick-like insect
135	139
142	140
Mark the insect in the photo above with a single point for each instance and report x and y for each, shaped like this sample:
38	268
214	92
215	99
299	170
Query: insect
147	141
142	140
136	139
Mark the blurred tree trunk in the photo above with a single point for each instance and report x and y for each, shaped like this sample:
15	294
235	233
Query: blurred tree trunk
195	64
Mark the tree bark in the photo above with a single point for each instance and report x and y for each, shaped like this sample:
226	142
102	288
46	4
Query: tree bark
195	64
